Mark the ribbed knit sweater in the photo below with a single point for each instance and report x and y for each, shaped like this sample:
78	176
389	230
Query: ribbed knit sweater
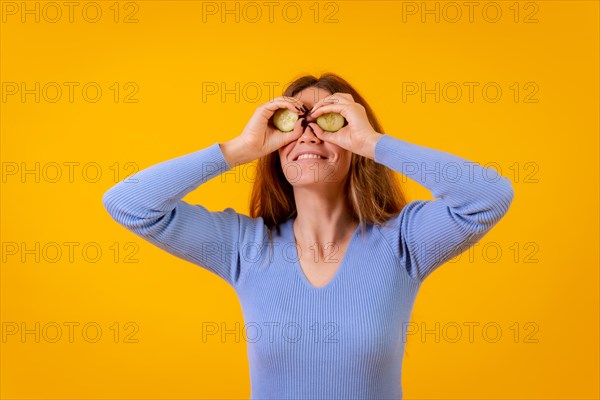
344	340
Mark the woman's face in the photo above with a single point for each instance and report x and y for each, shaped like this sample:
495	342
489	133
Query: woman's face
331	169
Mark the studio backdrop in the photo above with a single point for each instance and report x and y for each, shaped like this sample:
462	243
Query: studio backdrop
93	92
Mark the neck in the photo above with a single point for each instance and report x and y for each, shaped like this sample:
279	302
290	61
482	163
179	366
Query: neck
322	217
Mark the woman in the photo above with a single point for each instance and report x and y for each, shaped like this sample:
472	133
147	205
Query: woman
325	309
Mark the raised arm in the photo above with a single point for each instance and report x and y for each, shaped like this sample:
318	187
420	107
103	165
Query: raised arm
149	203
469	200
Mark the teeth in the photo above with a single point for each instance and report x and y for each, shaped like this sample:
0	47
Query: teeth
309	156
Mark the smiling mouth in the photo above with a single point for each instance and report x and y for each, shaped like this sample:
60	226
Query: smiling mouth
310	157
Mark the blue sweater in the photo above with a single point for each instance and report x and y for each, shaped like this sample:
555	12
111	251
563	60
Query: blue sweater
344	340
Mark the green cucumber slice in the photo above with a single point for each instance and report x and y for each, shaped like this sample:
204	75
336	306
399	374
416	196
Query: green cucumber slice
284	119
331	122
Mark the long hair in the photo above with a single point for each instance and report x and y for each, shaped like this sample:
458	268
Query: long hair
373	192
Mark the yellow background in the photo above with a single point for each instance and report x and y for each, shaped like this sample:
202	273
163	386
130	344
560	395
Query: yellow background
548	148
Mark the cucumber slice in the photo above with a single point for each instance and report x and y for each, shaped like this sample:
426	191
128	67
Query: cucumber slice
284	119
331	122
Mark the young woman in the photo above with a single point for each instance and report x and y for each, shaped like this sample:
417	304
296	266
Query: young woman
329	262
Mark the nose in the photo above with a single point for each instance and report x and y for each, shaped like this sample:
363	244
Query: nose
309	136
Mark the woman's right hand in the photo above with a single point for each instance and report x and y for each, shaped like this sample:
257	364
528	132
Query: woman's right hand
261	137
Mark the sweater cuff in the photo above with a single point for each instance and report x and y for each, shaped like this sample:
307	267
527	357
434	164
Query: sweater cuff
387	147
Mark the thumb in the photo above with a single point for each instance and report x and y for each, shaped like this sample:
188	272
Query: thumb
294	134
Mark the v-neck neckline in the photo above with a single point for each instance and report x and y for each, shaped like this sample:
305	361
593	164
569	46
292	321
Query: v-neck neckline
340	268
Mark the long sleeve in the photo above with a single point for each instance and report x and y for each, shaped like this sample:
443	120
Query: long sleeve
149	203
469	200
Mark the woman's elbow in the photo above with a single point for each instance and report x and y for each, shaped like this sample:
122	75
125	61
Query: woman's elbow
504	196
491	208
108	201
115	206
497	206
134	216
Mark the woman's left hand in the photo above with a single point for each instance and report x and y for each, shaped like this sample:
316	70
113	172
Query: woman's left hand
357	133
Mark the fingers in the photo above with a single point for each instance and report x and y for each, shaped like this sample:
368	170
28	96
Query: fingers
335	99
320	133
295	133
324	109
282	102
325	100
298	128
